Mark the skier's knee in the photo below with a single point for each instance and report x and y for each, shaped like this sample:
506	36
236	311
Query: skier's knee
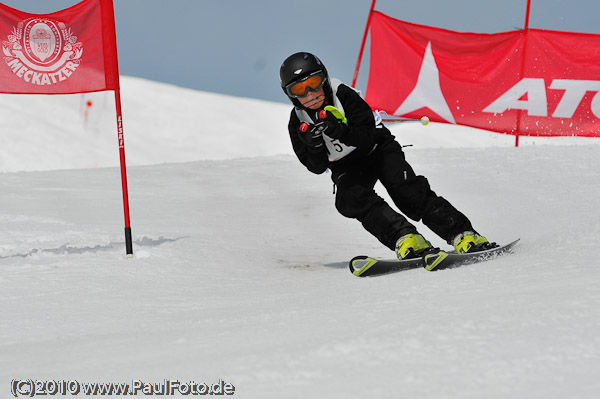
345	210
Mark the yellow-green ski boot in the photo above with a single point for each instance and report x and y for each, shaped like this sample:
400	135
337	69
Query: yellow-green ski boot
470	241
411	246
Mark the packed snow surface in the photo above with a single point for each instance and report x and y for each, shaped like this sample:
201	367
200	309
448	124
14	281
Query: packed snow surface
240	269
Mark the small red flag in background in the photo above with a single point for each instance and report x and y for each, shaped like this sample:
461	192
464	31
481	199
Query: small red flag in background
68	51
527	82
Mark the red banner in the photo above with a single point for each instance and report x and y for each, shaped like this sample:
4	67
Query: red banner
535	82
68	51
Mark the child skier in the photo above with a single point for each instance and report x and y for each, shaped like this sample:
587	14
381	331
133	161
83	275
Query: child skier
331	126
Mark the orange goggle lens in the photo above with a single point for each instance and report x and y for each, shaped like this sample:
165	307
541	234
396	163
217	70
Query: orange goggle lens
301	88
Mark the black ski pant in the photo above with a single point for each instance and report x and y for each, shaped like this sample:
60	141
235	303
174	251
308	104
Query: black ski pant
356	197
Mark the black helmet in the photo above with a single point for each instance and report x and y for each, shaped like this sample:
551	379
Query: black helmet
299	66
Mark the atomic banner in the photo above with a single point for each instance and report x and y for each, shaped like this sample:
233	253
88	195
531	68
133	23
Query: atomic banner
69	51
534	82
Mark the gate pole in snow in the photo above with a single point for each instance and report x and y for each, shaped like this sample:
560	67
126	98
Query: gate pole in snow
128	241
362	46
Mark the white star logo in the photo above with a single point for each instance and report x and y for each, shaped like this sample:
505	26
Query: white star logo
427	91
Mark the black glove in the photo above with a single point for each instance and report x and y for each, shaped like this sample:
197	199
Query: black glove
312	135
336	129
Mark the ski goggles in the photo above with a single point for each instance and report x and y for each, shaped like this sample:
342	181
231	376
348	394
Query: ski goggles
300	88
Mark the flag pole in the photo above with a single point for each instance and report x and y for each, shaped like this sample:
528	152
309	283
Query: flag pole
525	30
128	241
112	81
527	15
362	46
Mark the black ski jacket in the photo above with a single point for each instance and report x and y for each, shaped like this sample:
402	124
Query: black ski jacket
362	133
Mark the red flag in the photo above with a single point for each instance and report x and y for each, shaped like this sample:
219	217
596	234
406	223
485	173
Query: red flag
68	51
534	82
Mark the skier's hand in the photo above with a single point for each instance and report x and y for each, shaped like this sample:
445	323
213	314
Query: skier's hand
312	135
336	129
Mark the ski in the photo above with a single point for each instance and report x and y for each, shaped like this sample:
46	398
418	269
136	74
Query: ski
364	266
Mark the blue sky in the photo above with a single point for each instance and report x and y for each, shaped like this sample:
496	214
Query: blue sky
235	47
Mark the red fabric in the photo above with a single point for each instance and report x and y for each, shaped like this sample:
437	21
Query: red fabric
68	51
536	82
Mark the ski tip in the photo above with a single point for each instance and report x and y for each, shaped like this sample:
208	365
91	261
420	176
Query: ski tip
360	264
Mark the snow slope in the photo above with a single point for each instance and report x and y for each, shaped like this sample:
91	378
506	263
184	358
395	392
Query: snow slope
240	268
